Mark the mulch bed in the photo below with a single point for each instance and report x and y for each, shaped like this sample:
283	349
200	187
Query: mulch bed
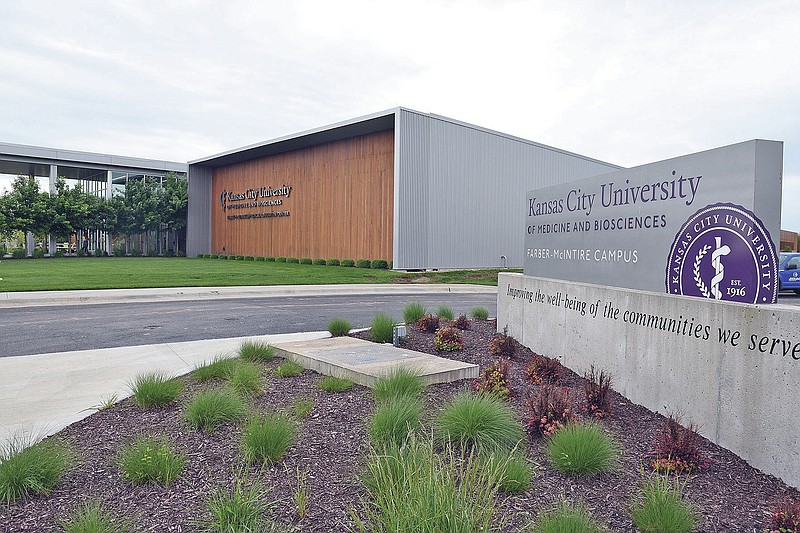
333	443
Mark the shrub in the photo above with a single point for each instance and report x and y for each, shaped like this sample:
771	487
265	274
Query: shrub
18	253
503	345
249	258
292	260
548	411
462	322
660	508
59	253
31	468
379	264
382	328
269	259
677	448
478	421
582	450
596	393
231	258
448	339
210	409
363	263
288	369
267	437
155	389
413	488
339	327
544	369
220	367
445	312
785	518
394	419
211	256
494	380
280	259
92	518
479	313
261	258
428	323
413	312
240	258
150	458
320	262
38	253
238	509
135	252
348	263
512	470
306	261
332	262
401	381
256	351
245	378
565	518
334	384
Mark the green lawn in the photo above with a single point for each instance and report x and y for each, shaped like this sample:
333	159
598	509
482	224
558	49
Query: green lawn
138	272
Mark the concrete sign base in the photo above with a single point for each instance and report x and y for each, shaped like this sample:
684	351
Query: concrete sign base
730	368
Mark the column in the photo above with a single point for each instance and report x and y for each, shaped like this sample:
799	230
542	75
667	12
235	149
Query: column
51	239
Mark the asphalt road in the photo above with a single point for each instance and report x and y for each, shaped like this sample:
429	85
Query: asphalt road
34	330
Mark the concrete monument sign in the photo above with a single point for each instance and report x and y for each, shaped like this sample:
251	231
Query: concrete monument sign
704	225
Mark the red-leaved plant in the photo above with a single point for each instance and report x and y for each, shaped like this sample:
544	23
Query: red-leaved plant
596	394
494	379
448	339
785	518
462	322
428	323
503	345
677	449
544	369
549	410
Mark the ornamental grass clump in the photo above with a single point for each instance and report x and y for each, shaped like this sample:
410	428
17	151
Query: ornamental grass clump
445	312
660	507
415	489
582	449
494	379
267	437
93	518
339	327
211	408
677	449
245	379
394	420
448	339
512	470
288	369
242	508
549	410
255	352
413	312
565	518
220	367
155	389
301	407
478	421
151	458
27	469
479	313
382	329
401	381
334	384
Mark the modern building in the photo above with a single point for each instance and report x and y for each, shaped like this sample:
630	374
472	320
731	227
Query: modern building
421	190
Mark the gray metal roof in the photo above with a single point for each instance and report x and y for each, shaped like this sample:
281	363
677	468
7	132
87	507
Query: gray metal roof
373	123
36	160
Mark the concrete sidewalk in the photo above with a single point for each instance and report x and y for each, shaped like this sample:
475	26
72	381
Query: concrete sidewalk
42	394
104	296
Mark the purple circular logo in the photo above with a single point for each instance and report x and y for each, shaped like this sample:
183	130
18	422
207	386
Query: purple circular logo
723	252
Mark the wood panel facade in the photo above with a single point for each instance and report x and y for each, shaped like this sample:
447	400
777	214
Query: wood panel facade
340	204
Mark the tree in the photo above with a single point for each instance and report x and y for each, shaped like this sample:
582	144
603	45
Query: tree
174	205
28	209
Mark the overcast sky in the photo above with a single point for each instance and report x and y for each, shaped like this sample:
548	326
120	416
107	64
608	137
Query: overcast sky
625	82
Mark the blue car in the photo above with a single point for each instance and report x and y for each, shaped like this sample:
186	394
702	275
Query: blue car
789	272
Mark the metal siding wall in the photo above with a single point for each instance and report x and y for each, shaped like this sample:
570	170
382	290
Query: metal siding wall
462	192
198	223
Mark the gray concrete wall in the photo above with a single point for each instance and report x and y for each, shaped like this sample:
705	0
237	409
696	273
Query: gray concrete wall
198	220
742	392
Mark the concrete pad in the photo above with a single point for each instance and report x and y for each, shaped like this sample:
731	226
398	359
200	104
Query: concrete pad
363	362
42	394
